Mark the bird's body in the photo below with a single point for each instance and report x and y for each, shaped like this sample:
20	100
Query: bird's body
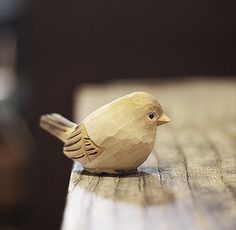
116	138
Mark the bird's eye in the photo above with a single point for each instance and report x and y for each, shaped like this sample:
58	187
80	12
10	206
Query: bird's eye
151	115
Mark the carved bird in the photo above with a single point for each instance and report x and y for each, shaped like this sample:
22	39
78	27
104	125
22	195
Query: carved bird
116	138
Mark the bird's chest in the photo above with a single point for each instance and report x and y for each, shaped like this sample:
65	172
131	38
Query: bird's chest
124	146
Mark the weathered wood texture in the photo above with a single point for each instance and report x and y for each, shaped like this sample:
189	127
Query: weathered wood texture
189	180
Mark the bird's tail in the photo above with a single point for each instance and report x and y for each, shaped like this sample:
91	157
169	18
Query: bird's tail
57	125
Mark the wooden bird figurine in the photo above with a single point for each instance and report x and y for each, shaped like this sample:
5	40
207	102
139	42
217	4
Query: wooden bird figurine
116	138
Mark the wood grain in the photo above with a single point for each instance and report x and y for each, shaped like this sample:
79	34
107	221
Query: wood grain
189	180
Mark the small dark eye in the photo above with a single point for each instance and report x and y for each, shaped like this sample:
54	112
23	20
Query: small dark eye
151	115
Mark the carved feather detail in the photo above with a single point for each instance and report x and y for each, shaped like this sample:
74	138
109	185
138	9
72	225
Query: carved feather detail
80	147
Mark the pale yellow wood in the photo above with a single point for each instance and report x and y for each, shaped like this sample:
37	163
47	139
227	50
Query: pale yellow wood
188	181
125	131
116	138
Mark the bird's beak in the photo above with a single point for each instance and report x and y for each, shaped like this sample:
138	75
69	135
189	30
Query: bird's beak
163	119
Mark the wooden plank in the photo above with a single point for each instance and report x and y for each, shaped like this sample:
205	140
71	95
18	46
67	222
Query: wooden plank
188	182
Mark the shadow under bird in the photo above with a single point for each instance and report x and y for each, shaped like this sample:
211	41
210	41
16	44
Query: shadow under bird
116	138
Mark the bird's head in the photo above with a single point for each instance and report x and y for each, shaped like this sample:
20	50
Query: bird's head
147	106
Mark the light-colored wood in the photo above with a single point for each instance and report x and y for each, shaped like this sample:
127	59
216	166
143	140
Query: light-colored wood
117	138
188	181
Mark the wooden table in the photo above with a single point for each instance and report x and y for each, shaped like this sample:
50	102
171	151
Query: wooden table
188	182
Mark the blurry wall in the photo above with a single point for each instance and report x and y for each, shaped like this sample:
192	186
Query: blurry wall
64	43
94	40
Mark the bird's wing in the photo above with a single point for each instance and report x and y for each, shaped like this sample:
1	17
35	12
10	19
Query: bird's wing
79	146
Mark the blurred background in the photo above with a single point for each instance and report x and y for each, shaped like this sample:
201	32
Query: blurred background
49	48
